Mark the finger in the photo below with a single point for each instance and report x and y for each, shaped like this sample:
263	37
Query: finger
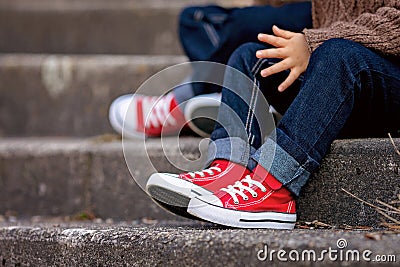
272	40
276	68
282	33
293	75
271	53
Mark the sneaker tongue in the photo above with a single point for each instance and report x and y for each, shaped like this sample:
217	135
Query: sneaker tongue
272	182
262	175
219	163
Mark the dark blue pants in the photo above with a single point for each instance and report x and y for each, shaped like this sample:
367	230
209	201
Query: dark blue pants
212	33
346	91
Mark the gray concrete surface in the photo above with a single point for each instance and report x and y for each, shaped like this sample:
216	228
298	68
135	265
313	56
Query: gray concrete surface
70	95
87	27
185	244
70	176
64	177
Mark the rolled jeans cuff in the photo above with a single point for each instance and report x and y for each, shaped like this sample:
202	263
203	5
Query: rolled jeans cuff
277	159
234	149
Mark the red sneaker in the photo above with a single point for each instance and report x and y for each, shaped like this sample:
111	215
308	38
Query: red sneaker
146	116
257	201
173	190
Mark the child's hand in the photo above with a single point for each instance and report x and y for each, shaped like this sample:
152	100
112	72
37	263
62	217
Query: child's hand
292	48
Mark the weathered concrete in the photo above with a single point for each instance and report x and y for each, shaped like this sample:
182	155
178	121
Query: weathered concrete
70	95
183	245
63	177
95	26
368	168
67	176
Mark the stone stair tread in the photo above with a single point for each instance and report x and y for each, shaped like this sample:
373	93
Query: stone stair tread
176	243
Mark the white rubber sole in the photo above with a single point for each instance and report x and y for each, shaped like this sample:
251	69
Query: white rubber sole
240	219
172	193
202	106
116	124
170	189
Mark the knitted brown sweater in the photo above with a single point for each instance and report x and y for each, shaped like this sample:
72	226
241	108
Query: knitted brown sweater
373	23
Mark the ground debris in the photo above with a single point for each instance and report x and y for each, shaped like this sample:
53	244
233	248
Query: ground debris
313	225
388	211
397	201
356	228
374	236
149	221
84	216
392	227
105	138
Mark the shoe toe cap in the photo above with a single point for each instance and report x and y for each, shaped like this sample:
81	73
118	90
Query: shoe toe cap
167	180
118	110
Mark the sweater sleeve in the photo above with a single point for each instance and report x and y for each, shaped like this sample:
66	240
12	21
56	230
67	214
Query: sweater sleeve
379	31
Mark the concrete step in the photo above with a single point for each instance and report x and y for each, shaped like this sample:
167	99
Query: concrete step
194	244
70	95
93	26
69	176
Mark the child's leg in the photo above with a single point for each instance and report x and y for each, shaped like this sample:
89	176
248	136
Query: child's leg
238	133
343	80
175	191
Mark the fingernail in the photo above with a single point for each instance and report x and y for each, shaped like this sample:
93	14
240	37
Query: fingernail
259	54
280	88
263	73
260	35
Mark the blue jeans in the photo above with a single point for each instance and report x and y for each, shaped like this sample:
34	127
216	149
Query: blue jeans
346	91
212	33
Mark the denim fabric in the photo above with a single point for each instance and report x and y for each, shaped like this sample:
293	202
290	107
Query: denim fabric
183	92
347	91
212	33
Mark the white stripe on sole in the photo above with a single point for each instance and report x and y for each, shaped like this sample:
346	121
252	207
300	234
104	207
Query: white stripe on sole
240	219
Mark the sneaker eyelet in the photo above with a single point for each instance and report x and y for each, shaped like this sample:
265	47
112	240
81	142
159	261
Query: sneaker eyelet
245	198
263	190
236	202
211	173
255	195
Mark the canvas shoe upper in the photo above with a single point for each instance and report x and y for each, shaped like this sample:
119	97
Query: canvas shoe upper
258	200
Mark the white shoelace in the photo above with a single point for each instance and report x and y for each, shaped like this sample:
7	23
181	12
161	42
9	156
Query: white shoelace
159	113
239	187
210	171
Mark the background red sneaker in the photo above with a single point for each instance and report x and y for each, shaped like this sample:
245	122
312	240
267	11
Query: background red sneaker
146	116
